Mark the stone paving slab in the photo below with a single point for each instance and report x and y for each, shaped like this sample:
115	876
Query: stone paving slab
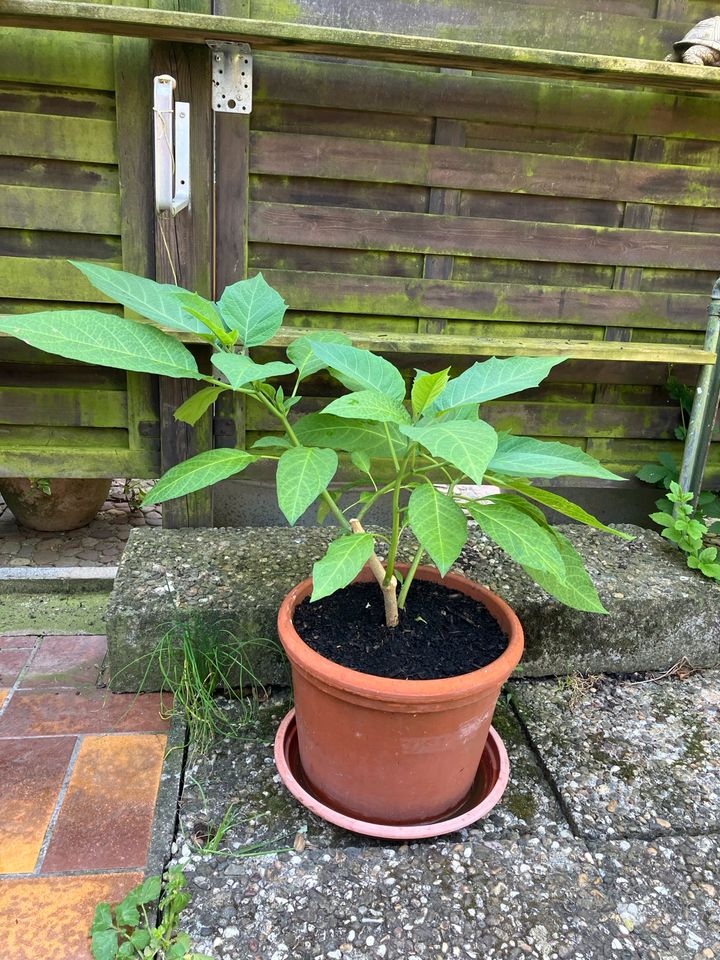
630	759
667	891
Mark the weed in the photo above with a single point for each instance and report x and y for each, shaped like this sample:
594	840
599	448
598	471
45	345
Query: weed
208	839
682	526
577	686
126	931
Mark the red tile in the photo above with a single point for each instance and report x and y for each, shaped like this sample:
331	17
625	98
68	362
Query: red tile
11	663
107	813
48	712
66	662
16	641
3	695
49	918
31	774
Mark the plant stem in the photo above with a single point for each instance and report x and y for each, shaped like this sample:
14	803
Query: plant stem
389	589
419	553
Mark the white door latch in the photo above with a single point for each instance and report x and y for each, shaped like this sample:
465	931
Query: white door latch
172	148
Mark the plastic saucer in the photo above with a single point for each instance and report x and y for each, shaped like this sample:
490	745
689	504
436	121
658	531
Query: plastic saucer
488	788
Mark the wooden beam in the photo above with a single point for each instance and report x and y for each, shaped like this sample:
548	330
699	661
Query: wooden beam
358	44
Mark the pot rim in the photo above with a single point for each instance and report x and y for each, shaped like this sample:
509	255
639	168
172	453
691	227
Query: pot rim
387	689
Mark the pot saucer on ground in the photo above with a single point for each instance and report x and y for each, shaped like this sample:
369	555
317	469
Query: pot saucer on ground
487	789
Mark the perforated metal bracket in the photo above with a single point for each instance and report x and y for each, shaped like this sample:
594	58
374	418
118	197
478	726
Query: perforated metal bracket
172	148
231	77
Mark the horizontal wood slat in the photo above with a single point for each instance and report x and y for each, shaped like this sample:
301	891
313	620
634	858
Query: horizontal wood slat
67	460
287	155
57	137
465	300
63	407
72	211
38	279
364	45
67	60
480	237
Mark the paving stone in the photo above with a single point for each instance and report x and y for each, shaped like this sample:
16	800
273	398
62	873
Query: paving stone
667	891
107	812
630	759
3	696
17	641
66	661
11	663
48	918
50	712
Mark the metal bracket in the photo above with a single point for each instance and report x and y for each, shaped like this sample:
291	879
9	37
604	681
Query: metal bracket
172	163
231	77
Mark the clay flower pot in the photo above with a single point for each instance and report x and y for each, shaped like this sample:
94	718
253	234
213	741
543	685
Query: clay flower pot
71	502
394	751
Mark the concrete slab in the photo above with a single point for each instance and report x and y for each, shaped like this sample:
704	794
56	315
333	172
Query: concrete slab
56	579
630	759
49	612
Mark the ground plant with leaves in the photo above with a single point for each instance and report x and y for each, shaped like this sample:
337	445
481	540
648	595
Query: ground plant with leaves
682	526
421	451
128	931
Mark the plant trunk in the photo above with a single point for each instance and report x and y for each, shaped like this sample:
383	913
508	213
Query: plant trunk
389	589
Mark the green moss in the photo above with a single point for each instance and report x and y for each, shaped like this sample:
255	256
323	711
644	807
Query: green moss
627	770
522	804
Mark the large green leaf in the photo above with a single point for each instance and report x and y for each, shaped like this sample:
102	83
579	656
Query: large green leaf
439	525
103	339
528	457
198	472
303	356
574	586
368	405
163	303
465	444
561	505
252	308
241	370
324	430
196	405
104	945
343	561
302	475
495	378
360	369
426	388
520	536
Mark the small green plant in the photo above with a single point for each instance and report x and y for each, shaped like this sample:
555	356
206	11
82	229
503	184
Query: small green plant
41	484
406	447
681	526
126	930
134	492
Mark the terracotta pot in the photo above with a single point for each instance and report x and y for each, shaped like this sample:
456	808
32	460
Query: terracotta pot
394	751
71	503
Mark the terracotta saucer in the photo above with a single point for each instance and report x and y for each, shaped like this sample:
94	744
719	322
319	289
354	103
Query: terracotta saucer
488	788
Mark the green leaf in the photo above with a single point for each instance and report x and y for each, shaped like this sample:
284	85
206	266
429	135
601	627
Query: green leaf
465	444
252	308
273	442
495	378
708	555
368	405
439	525
528	457
519	535
241	370
663	519
149	890
711	570
103	918
574	587
103	339
561	505
426	388
361	460
127	949
196	405
303	356
198	472
343	561
104	945
360	369
140	939
127	914
652	473
159	302
179	948
302	475
208	314
324	430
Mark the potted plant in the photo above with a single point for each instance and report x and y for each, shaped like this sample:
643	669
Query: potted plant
57	504
395	682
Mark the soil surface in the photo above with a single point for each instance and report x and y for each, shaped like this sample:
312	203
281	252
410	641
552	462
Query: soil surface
442	633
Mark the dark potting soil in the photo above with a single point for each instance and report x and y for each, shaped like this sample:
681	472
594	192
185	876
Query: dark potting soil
442	633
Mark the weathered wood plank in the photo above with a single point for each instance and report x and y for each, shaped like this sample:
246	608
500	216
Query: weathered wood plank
39	279
44	244
61	138
72	211
68	60
67	460
310	191
36	98
64	407
503	171
364	45
262	256
398	296
60	174
530	103
480	237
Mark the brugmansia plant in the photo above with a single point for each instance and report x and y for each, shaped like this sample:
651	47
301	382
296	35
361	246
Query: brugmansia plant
404	448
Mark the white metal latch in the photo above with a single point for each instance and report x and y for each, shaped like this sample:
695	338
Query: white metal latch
172	163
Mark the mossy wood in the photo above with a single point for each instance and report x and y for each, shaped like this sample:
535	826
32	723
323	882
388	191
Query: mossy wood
563	200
